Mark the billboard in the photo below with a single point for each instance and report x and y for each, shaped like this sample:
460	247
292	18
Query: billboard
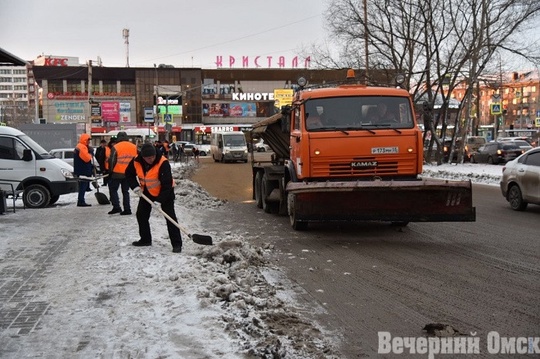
110	111
238	109
243	110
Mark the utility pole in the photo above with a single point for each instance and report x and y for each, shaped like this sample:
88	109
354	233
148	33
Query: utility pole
89	121
156	94
125	34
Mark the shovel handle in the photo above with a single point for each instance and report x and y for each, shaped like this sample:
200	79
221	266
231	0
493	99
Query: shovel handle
163	213
197	238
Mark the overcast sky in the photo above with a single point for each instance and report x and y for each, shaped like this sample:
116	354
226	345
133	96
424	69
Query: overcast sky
180	33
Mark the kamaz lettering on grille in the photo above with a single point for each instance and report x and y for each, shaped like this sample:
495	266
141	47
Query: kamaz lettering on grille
364	164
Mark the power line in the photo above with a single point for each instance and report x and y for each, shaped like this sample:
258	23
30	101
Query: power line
237	39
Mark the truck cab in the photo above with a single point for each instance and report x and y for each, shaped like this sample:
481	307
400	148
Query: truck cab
354	132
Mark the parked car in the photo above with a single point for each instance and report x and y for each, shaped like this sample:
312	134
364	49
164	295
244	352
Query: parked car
26	167
520	183
519	138
474	143
524	145
188	148
446	150
66	155
262	147
496	152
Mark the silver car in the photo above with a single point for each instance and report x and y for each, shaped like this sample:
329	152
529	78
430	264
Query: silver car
66	155
520	183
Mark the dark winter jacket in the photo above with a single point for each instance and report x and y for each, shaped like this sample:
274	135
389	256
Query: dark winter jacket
82	157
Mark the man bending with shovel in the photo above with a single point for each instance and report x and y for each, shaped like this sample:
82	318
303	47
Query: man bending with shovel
150	177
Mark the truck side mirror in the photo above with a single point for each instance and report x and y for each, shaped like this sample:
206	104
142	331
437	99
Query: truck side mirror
286	123
27	155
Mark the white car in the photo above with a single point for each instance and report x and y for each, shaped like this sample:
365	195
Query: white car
66	155
262	147
520	183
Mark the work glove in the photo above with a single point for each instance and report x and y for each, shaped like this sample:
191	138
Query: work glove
137	190
156	205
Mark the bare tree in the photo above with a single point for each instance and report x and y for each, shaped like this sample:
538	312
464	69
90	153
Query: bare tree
437	44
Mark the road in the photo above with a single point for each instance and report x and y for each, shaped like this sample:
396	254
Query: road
370	277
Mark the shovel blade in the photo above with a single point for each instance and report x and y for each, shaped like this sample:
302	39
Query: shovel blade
202	239
102	198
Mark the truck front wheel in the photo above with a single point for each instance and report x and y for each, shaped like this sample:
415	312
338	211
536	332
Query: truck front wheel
257	188
267	187
295	223
36	196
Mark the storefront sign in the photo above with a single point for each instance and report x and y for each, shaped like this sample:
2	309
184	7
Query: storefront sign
223	128
283	97
261	61
52	61
125	112
255	96
167	101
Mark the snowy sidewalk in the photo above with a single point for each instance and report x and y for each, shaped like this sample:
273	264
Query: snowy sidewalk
73	286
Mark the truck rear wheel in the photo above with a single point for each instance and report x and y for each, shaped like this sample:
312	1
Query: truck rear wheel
257	188
36	196
295	223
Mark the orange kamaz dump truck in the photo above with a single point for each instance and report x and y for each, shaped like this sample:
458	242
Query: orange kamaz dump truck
352	152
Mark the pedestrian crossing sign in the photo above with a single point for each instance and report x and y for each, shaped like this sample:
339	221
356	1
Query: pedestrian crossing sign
496	109
537	122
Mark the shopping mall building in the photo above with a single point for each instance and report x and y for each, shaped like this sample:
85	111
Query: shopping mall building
191	103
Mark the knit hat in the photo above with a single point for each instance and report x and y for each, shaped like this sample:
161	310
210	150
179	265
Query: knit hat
148	150
122	136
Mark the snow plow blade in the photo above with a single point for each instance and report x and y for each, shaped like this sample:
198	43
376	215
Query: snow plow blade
427	200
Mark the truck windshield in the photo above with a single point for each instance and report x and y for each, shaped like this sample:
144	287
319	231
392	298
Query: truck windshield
34	146
234	140
358	113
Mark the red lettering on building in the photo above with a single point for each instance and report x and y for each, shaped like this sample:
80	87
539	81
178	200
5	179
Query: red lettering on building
280	62
52	61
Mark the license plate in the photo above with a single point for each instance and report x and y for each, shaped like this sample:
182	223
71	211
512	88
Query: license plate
383	150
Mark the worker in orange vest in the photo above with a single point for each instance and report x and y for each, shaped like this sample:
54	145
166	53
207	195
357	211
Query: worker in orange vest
151	175
121	154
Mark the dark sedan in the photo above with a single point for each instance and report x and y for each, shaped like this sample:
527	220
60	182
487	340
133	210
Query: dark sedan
496	152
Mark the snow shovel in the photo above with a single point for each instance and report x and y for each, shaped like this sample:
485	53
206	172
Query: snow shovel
100	197
197	238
